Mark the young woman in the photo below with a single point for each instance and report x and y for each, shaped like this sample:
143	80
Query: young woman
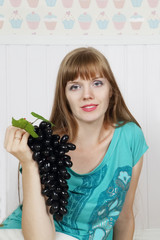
89	107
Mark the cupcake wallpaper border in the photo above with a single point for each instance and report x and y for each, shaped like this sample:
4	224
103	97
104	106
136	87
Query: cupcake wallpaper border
101	19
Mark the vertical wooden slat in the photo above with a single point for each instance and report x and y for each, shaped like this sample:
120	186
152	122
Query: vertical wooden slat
36	81
135	95
3	118
55	55
153	133
116	58
16	107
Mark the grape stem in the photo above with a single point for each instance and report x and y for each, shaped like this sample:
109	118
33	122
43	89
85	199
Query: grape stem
34	121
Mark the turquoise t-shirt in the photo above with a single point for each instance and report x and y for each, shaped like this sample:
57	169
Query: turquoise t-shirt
96	198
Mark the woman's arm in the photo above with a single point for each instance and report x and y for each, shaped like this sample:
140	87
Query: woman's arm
37	223
125	224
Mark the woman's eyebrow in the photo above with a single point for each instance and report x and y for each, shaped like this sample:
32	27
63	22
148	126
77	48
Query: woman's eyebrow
71	82
98	78
78	81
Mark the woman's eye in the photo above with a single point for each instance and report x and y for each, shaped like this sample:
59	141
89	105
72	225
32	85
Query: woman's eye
74	87
98	83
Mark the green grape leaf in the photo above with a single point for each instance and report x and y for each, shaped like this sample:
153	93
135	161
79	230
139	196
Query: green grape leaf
24	124
40	117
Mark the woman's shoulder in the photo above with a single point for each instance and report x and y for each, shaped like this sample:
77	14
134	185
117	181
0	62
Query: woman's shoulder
132	132
130	126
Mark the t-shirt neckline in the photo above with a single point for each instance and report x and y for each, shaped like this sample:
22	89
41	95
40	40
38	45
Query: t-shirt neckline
106	156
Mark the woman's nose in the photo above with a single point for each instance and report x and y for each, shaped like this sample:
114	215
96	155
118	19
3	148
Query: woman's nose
87	92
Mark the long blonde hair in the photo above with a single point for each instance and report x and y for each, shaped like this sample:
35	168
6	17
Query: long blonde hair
86	63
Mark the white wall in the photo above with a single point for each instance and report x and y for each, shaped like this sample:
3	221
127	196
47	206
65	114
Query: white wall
27	82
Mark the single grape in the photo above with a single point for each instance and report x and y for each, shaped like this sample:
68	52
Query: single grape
58	216
52	158
51	177
68	163
55	143
64	139
54	208
63	201
66	157
36	128
71	146
40	136
41	161
62	182
55	196
30	140
58	189
44	125
54	168
62	170
43	180
37	147
66	175
49	125
48	183
48	133
53	186
66	188
32	147
63	147
55	137
36	156
45	153
46	142
64	194
62	210
49	201
47	166
60	163
45	191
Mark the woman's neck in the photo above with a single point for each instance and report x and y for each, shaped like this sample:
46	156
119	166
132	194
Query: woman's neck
91	134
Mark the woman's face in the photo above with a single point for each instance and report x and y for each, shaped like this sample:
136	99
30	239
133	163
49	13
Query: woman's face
88	99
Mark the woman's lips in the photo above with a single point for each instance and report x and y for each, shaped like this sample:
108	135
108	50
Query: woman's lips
89	108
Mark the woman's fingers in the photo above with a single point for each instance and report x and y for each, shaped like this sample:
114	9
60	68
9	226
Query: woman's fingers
18	135
24	141
13	137
16	143
10	132
17	140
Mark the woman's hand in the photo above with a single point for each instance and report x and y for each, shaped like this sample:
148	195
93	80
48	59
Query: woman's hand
16	143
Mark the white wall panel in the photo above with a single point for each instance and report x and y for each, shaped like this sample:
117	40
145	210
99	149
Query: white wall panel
36	80
3	120
16	107
27	83
153	133
55	55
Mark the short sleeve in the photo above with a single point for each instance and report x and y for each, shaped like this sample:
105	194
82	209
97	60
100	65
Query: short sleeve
138	144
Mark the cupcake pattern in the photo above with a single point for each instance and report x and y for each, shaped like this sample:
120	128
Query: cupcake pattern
102	20
85	21
136	21
33	20
50	21
119	20
16	20
81	17
68	20
154	20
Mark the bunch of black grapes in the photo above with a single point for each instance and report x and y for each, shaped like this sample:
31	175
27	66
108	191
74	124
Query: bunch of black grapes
49	152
